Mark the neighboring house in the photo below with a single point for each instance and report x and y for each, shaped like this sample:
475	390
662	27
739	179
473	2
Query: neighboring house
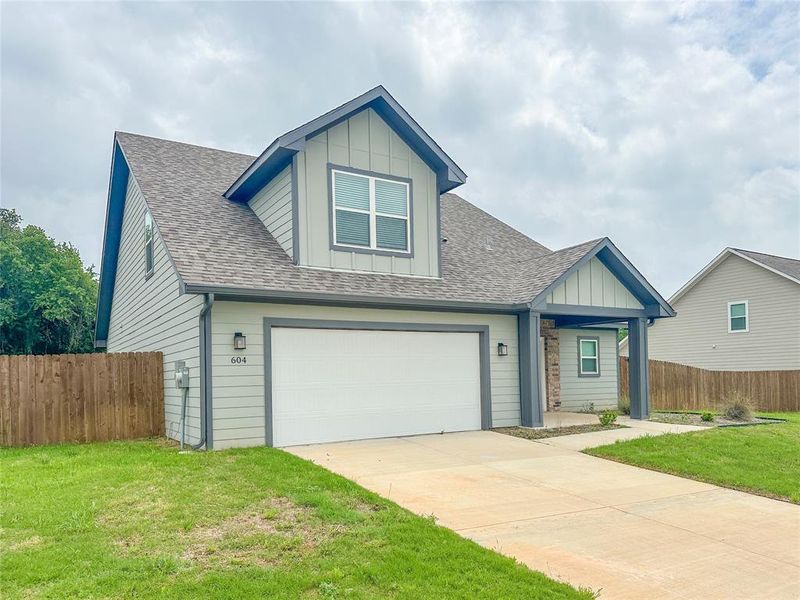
332	288
741	312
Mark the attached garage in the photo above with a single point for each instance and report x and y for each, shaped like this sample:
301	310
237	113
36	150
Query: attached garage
339	380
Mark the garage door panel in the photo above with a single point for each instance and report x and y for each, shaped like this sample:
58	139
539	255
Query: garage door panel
333	385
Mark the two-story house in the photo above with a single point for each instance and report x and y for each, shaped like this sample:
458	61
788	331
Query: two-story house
334	288
741	312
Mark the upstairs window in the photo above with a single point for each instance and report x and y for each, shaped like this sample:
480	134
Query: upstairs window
738	319
588	357
370	213
148	244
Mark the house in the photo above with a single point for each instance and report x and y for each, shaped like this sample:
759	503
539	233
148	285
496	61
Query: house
335	288
741	312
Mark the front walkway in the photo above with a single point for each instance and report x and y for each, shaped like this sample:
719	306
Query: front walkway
634	428
628	532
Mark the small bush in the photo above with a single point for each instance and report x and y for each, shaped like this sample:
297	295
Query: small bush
738	408
707	416
588	407
624	405
607	417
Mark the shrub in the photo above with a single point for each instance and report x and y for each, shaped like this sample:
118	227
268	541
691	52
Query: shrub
707	416
607	417
624	405
738	408
588	407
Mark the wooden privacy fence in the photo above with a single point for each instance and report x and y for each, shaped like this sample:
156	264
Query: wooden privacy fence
80	397
678	387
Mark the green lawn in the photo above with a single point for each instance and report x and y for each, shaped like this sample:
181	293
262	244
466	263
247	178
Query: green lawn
137	519
763	459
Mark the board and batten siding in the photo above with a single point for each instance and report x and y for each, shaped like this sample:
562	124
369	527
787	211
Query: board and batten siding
577	392
366	142
593	285
698	336
273	205
152	315
238	389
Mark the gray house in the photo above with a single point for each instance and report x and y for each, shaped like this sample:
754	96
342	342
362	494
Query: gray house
334	288
741	312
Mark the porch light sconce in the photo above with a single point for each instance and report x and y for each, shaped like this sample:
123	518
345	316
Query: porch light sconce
502	349
239	341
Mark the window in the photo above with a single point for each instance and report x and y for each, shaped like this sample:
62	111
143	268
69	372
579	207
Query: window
148	244
588	357
370	212
738	317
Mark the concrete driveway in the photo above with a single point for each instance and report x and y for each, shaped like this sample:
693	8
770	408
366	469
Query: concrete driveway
625	531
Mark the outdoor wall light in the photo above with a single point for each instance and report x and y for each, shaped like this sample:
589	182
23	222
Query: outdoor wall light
502	349
239	341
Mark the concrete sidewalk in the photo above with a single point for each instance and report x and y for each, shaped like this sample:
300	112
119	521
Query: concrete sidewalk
628	532
580	441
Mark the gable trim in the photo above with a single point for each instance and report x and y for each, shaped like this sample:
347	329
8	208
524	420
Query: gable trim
263	168
119	181
713	265
112	234
623	270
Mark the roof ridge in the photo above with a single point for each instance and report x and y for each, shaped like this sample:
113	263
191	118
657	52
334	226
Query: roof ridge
592	241
179	143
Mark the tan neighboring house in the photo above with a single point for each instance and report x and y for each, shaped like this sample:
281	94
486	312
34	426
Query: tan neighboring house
741	312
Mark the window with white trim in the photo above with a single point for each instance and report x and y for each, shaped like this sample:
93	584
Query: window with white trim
148	244
370	212
738	318
588	356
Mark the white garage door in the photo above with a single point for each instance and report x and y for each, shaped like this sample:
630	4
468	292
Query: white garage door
334	385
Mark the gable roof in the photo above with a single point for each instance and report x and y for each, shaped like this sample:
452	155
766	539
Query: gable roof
279	153
220	246
780	265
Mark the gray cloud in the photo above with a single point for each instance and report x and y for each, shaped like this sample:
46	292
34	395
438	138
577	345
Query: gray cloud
671	128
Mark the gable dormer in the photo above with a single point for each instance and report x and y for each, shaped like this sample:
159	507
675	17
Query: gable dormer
356	189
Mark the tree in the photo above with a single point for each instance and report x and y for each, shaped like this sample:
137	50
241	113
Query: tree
47	296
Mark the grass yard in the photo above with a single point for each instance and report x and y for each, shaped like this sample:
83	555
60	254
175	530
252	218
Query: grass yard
137	519
762	459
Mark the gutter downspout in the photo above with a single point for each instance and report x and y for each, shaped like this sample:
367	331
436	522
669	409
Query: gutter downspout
205	367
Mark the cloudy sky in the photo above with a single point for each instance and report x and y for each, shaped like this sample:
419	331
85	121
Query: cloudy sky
674	128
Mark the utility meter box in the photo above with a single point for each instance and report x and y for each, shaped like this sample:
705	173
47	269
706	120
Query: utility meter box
181	375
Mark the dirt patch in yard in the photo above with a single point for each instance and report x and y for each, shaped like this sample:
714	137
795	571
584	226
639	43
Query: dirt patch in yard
264	534
540	434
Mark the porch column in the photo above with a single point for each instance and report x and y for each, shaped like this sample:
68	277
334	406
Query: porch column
528	325
639	378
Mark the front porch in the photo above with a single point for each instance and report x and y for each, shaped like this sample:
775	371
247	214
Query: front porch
555	347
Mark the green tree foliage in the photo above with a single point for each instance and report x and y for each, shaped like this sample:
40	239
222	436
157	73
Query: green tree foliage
622	334
47	296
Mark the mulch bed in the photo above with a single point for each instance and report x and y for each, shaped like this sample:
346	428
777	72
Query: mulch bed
540	434
719	420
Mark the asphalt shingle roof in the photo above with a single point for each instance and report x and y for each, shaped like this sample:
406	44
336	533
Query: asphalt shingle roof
787	266
217	242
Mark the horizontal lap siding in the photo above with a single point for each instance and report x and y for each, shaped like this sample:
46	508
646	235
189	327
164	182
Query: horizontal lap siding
577	391
273	205
238	389
151	314
698	336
